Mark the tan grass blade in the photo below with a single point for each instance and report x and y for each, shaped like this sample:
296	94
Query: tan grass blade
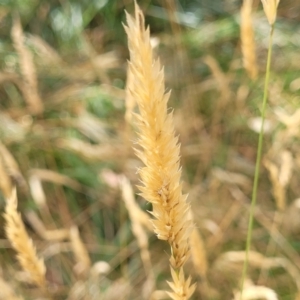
133	208
81	254
48	54
40	229
37	191
277	188
257	260
231	178
286	167
12	166
30	84
22	243
138	230
248	40
5	182
160	153
90	151
220	77
54	177
198	252
280	175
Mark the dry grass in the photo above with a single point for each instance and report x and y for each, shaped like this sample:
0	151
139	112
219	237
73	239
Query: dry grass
83	261
270	8
22	243
75	155
160	153
139	220
29	84
248	40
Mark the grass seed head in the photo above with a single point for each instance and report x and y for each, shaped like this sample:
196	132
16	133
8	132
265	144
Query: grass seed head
22	243
270	8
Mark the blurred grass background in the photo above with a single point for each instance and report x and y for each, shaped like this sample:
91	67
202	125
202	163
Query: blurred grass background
79	50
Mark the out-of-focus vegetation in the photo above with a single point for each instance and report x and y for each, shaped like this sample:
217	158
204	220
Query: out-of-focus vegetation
68	156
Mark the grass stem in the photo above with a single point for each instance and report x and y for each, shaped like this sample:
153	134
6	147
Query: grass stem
258	161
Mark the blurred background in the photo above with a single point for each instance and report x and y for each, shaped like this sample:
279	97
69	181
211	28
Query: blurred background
67	137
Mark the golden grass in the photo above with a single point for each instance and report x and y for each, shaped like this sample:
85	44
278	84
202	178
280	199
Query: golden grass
29	85
22	243
198	252
160	153
224	192
5	182
270	8
136	215
12	166
248	40
83	261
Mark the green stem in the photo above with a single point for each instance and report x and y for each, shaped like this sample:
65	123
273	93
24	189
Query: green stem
258	161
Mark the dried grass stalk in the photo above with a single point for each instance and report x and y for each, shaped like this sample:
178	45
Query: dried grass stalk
135	212
279	190
30	85
286	168
160	153
12	166
80	252
247	40
270	8
40	229
22	243
137	229
258	260
221	78
5	181
198	253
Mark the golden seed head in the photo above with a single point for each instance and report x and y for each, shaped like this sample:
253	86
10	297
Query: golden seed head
270	8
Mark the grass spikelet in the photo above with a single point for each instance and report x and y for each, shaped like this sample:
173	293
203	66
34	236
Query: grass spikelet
181	287
129	100
30	86
80	252
22	243
247	40
270	8
160	152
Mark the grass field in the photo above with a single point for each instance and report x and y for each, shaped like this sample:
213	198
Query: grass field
77	227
